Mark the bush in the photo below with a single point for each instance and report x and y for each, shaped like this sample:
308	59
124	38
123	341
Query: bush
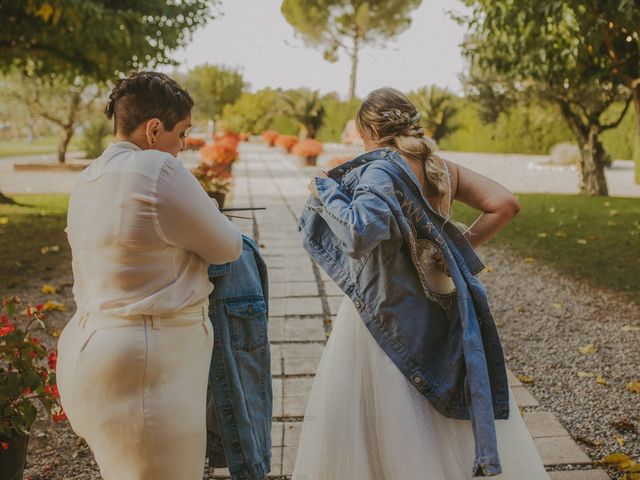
308	148
269	137
95	135
286	141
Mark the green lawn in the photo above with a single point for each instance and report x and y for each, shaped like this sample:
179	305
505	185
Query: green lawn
13	148
26	231
593	238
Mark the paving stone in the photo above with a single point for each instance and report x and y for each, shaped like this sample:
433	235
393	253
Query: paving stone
302	350
300	366
277	434
276	276
293	289
543	424
297	387
288	459
304	306
512	379
580	475
292	433
524	398
560	450
332	289
303	329
276	329
276	360
294	406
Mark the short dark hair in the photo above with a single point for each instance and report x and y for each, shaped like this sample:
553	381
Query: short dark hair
145	95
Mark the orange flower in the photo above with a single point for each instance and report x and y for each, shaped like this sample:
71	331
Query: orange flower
286	141
4	331
308	148
269	136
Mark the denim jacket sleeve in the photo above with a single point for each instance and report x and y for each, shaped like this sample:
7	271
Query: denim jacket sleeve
360	221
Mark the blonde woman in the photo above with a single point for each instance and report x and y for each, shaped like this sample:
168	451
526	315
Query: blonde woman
134	359
412	383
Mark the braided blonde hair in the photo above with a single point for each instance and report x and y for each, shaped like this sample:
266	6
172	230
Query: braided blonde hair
389	118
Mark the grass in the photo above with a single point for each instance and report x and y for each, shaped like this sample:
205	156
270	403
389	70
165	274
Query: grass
25	229
14	148
596	239
590	238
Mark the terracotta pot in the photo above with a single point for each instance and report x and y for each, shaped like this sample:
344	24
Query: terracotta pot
219	197
309	161
12	460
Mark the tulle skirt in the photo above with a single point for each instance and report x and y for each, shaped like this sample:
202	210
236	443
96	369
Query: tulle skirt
365	421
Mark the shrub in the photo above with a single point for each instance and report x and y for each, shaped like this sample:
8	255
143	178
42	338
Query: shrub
269	137
307	148
94	138
191	143
286	141
223	151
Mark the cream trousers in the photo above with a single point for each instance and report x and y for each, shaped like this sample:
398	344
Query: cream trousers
135	389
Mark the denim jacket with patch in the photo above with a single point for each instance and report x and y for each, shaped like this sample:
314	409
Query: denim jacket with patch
366	230
240	398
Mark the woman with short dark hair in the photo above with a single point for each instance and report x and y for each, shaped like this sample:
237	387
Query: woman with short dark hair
134	359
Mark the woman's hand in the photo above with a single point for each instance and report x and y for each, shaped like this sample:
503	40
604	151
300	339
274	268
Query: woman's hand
313	189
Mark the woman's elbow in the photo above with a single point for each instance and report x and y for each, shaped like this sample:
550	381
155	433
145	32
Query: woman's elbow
509	207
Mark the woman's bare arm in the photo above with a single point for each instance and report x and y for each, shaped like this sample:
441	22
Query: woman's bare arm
497	204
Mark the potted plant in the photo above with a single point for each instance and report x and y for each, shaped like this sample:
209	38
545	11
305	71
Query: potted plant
286	142
269	137
308	150
223	152
27	378
215	179
192	143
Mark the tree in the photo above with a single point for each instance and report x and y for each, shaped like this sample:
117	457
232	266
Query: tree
610	40
525	54
252	112
437	108
95	38
348	25
305	108
213	87
63	102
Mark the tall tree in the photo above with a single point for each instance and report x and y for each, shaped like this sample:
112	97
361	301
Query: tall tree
213	87
437	108
348	25
95	39
525	54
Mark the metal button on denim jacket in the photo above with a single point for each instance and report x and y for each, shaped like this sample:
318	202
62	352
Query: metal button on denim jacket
240	396
371	230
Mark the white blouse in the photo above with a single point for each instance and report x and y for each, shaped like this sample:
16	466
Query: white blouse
142	233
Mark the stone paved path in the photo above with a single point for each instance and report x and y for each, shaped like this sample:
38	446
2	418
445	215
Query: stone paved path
303	302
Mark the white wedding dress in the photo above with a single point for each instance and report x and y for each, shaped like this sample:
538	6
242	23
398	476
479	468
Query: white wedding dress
365	421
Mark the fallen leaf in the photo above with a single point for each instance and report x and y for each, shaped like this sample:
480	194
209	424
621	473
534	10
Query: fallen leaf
634	386
52	248
624	426
611	223
629	328
590	348
600	380
488	268
556	305
561	234
593	442
613	212
552	209
48	289
525	378
582	241
529	259
607	204
620	440
586	374
51	305
4	220
542	235
614	458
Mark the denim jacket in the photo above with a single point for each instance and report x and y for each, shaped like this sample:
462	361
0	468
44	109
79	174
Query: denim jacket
366	230
240	403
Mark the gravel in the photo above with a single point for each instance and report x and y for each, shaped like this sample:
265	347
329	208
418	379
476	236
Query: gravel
544	317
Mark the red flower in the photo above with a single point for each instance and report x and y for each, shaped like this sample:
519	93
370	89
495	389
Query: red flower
39	307
29	313
59	417
53	360
4	319
35	341
4	331
27	391
4	445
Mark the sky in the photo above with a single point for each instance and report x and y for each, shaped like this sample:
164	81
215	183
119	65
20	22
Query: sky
254	37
